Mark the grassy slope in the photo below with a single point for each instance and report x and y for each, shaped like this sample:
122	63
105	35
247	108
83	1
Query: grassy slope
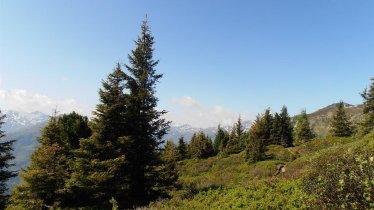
231	183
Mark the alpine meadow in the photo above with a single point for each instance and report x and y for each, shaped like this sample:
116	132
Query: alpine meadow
146	143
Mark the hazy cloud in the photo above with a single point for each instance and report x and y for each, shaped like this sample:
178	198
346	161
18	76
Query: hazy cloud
190	111
21	100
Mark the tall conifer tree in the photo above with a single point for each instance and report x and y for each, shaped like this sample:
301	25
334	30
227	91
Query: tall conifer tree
145	126
6	156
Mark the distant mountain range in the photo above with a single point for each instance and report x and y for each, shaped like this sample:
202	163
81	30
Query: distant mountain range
26	127
186	131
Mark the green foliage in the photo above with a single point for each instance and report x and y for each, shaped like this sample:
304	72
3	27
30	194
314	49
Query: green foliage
258	195
219	141
340	124
182	149
170	153
114	204
6	148
145	126
278	152
44	180
260	135
168	175
276	132
200	146
99	169
303	132
367	122
342	179
232	183
286	139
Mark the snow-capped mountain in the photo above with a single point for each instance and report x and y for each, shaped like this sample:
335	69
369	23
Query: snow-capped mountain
18	120
186	131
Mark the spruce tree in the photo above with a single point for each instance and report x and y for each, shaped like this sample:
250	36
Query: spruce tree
255	150
286	139
170	153
218	140
6	148
267	126
276	132
239	130
182	149
44	180
200	146
167	171
100	170
145	126
225	141
340	124
367	123
303	132
233	144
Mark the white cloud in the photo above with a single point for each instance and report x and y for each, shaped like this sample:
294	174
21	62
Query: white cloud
186	101
190	111
21	100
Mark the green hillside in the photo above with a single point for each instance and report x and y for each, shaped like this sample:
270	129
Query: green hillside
232	183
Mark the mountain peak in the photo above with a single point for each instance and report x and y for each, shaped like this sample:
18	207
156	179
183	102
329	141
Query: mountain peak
15	120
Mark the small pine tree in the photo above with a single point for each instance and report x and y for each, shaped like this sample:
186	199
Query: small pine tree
6	148
267	126
239	130
255	150
225	141
168	173
233	144
367	123
170	153
340	124
276	132
182	149
219	139
286	128
200	146
303	132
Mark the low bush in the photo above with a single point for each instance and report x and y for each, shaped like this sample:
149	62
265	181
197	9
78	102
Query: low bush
343	179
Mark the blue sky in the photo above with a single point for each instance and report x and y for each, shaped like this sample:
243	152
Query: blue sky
219	58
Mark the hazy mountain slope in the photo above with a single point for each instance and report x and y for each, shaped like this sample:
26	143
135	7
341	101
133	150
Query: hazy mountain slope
320	119
176	131
15	121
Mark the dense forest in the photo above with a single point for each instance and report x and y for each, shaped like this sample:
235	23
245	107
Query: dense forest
118	160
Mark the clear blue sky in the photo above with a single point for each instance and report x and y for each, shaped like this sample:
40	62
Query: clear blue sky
241	56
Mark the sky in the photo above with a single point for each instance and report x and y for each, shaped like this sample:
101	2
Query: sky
220	59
